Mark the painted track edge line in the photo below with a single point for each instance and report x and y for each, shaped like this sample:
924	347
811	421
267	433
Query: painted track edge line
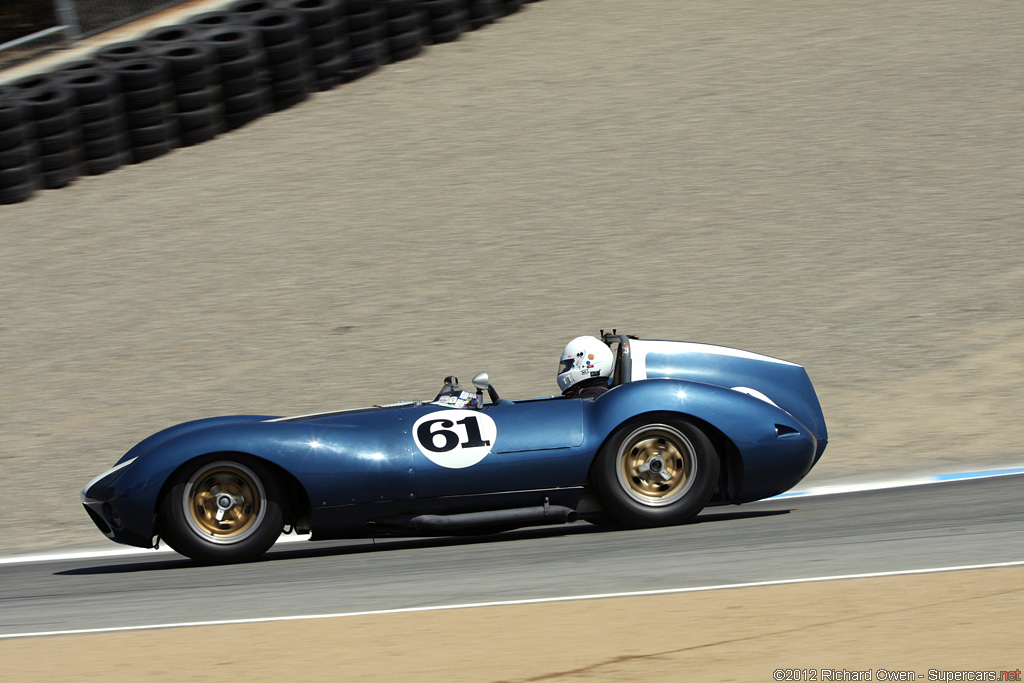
526	601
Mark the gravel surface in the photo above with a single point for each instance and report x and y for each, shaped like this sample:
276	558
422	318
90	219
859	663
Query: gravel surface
835	184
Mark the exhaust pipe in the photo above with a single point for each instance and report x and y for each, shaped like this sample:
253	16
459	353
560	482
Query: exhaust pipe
516	517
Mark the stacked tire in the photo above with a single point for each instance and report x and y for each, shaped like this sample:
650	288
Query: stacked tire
286	48
18	177
482	12
405	28
367	36
100	111
507	7
55	128
445	19
149	107
197	92
238	54
329	53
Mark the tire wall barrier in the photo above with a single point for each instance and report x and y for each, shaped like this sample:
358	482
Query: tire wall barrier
185	84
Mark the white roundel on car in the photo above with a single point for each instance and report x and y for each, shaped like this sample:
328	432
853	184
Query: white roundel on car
455	438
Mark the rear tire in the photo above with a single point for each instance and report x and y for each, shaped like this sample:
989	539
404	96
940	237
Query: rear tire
654	471
222	509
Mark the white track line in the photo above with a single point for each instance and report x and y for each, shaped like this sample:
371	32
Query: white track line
506	603
824	490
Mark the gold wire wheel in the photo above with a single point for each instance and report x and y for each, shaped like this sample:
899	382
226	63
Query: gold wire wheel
656	465
224	502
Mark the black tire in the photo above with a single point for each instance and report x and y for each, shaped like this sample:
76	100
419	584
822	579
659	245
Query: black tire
314	12
18	155
47	102
241	67
78	66
151	135
198	135
141	74
171	34
438	8
127	51
655	470
409	52
199	118
357	71
359	6
243	102
54	125
283	71
286	52
189	83
322	35
276	26
101	165
58	142
13	137
363	21
28	84
240	118
397	8
365	55
404	24
148	116
198	99
95	130
250	6
17	175
324	53
56	161
187	58
238	86
141	153
104	147
232	43
221	509
59	177
90	85
98	111
448	36
148	97
17	193
211	19
405	41
12	113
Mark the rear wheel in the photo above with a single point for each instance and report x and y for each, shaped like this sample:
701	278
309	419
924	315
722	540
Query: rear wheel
222	509
655	471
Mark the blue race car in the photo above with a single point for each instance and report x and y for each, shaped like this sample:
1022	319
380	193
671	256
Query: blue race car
670	428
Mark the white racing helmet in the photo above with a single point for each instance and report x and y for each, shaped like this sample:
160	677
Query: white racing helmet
583	358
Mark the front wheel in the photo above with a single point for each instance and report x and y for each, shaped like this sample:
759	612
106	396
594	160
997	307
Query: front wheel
222	509
655	471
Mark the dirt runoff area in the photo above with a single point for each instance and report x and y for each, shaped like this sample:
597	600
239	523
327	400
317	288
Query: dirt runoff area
861	629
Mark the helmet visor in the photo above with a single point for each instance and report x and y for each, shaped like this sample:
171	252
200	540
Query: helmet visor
565	365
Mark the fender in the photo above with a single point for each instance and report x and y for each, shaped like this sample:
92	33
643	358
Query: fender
151	442
763	433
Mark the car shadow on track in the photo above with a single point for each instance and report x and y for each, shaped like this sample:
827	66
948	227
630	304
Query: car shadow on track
386	544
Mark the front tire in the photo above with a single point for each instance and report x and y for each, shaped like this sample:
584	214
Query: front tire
655	471
222	509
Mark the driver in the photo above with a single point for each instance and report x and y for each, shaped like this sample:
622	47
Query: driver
584	368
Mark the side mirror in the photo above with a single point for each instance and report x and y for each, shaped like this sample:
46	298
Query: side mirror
483	381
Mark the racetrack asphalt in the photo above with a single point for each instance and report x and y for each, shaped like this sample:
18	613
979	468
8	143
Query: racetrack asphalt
836	185
849	581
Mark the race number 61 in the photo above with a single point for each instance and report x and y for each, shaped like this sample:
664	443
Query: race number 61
455	438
